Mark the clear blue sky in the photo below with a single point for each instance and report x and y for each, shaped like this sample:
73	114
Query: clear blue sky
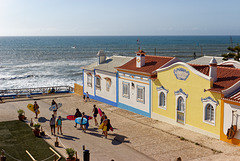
119	17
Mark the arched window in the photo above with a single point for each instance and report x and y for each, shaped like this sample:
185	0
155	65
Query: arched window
180	104
162	99
209	110
209	115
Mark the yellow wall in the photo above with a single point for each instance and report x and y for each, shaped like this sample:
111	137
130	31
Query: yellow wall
78	89
194	86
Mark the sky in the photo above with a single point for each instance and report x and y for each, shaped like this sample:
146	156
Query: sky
119	17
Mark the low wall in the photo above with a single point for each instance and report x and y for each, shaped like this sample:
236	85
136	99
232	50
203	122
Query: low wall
78	89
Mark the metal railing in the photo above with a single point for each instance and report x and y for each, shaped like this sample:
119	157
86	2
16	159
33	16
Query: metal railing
34	91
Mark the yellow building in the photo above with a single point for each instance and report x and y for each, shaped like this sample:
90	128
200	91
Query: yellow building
185	95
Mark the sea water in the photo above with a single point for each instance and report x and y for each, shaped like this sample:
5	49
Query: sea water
55	61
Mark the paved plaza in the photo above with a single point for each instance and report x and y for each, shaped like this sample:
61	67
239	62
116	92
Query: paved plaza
134	138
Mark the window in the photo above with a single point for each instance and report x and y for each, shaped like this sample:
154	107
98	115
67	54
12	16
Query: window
108	83
181	101
126	90
180	104
162	97
89	80
209	116
209	110
98	83
140	94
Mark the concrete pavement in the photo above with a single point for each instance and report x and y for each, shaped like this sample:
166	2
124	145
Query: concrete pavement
135	137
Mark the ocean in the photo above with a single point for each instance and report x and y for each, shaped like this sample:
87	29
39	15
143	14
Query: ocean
27	62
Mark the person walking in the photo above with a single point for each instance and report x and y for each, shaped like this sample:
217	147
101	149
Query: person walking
83	125
55	111
52	124
87	97
77	114
59	125
36	107
95	112
104	126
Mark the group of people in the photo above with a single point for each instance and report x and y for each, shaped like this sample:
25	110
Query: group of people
55	123
86	97
104	121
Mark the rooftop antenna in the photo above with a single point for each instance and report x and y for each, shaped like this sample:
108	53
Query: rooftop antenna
138	43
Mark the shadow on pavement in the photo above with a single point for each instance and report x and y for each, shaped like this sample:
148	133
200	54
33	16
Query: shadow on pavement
42	119
119	139
68	137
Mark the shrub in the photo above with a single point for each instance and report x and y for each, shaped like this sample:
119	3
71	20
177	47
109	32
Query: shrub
70	152
20	112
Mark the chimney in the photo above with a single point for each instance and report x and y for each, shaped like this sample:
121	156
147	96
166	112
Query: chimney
213	69
101	56
140	59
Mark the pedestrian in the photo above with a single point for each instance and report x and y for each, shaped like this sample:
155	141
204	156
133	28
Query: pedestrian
104	126
77	114
95	112
84	98
52	124
36	107
102	118
83	125
59	124
87	97
55	111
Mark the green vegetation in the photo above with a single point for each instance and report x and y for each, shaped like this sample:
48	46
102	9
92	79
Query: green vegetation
234	53
16	137
37	126
70	152
20	112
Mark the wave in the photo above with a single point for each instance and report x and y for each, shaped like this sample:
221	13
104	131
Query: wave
18	77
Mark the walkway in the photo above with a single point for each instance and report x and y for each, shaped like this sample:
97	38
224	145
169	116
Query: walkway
135	137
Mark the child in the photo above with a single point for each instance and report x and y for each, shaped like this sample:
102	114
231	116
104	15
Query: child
87	97
59	124
52	125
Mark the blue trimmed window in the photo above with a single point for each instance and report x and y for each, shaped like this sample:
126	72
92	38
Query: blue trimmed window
140	94
126	90
162	102
180	104
209	113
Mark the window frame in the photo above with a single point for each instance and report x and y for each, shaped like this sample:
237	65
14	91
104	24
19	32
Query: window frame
209	101
89	77
142	99
126	85
184	96
98	86
165	92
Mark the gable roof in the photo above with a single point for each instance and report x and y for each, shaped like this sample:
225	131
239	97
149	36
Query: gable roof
152	63
204	60
109	64
227	76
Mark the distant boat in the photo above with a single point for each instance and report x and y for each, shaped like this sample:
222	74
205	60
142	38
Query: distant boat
73	47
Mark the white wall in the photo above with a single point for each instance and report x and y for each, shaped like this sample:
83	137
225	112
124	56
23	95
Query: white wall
111	94
227	121
90	90
132	101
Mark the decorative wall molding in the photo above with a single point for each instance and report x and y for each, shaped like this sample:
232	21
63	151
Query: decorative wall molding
181	73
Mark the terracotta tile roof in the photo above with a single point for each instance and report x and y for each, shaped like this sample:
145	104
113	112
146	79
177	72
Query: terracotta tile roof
151	64
226	76
234	97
